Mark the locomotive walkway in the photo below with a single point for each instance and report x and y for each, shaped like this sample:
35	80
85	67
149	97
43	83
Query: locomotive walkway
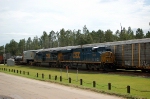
14	87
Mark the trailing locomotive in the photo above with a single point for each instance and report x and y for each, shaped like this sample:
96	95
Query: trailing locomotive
28	56
75	57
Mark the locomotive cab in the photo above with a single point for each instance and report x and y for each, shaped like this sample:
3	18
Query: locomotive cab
107	59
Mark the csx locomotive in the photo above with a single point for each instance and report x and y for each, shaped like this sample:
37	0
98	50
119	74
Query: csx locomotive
129	54
76	57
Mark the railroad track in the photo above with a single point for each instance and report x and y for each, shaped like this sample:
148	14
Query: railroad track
118	71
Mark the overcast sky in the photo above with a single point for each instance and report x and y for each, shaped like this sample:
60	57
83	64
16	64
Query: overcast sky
21	19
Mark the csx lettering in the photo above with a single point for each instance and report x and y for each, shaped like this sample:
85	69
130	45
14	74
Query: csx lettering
76	54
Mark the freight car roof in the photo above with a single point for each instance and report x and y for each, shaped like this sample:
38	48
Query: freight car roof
118	43
132	41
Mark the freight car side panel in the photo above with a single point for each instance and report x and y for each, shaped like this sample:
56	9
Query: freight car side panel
127	55
147	63
133	55
136	55
118	54
145	55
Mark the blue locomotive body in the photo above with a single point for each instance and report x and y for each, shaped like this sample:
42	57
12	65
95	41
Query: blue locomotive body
91	57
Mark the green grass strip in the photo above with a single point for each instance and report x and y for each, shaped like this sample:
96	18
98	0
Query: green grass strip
139	86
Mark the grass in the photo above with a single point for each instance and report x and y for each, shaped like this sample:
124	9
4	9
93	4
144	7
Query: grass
140	87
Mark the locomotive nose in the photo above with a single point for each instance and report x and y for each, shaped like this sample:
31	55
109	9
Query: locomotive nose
107	57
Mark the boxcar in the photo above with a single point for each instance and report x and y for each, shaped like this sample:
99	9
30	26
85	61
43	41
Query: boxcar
1	59
133	54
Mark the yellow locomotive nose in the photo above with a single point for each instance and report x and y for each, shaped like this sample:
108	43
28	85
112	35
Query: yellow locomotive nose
107	57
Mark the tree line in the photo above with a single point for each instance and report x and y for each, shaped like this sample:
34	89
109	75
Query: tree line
71	38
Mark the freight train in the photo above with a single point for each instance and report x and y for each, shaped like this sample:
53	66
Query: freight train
129	54
132	54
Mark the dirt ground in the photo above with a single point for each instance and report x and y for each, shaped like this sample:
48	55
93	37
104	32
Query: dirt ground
14	87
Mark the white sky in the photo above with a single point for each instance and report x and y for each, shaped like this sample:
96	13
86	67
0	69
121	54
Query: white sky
21	19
